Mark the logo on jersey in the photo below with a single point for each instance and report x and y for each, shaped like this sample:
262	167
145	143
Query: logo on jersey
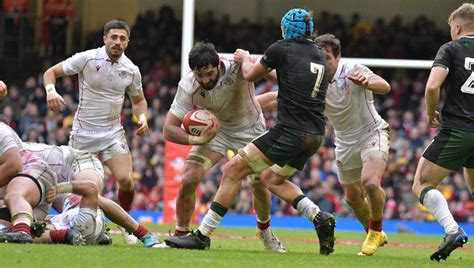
228	81
123	74
97	67
202	93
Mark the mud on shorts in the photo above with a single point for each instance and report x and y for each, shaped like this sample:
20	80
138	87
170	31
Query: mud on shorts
105	144
351	155
287	147
451	149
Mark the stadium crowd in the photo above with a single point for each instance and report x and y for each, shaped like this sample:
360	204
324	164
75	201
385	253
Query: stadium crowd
155	48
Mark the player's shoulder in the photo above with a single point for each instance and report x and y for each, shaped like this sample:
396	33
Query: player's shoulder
188	83
127	62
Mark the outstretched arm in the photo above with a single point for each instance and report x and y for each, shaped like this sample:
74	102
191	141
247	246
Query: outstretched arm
10	165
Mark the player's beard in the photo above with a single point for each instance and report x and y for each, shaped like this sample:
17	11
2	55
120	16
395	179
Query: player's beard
210	85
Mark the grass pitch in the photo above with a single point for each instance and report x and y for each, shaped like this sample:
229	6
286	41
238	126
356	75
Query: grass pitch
238	247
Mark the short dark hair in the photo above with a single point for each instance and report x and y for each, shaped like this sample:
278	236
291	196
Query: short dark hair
329	41
116	24
203	54
4	119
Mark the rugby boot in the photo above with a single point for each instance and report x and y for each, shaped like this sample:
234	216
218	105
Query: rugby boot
270	241
450	243
194	240
325	223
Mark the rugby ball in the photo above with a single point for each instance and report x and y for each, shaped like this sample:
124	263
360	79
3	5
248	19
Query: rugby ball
196	120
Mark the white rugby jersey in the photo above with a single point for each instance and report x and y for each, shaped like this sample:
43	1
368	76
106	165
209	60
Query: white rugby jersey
57	157
102	87
232	100
350	107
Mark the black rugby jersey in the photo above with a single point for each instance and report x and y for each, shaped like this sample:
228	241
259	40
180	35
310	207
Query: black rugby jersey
458	57
302	72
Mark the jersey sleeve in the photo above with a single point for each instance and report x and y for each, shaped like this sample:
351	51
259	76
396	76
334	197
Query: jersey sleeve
363	70
271	57
75	63
443	57
136	87
6	140
182	102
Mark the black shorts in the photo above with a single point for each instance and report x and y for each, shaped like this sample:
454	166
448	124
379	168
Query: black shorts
284	145
452	149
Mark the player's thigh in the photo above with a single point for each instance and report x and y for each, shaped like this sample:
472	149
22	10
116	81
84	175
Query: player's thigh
26	187
469	177
374	153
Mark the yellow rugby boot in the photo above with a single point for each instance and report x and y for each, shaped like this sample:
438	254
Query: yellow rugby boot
373	241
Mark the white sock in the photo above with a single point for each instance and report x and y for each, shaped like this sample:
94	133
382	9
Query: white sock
307	208
209	223
435	202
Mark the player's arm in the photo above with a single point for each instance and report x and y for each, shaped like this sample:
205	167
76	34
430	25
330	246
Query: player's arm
3	90
56	103
173	132
432	92
10	165
139	108
268	101
250	71
378	85
87	189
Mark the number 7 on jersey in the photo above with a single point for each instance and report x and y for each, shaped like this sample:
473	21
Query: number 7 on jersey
317	69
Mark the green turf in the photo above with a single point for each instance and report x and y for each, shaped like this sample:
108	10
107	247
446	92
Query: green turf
237	247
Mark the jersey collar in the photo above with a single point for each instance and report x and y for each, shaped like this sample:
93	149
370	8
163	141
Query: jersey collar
104	54
338	72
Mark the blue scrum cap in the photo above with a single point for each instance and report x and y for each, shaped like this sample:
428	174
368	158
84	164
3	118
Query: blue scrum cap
297	23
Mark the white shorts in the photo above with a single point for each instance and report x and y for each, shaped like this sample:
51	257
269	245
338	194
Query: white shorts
84	161
232	140
88	221
350	156
104	144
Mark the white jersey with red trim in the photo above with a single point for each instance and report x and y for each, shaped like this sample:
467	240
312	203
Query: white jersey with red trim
232	100
65	161
102	87
350	107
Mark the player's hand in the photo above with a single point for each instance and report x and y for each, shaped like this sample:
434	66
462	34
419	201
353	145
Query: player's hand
359	79
241	55
3	90
433	121
56	103
51	195
210	131
142	128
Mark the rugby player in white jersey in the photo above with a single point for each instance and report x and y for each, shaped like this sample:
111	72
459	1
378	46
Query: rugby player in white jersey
105	75
73	167
24	181
216	85
362	138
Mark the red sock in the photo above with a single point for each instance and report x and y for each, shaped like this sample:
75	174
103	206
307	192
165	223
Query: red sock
180	233
141	231
21	227
125	199
263	226
58	236
375	225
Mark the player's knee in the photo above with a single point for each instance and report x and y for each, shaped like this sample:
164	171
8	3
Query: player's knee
354	199
192	177
370	184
